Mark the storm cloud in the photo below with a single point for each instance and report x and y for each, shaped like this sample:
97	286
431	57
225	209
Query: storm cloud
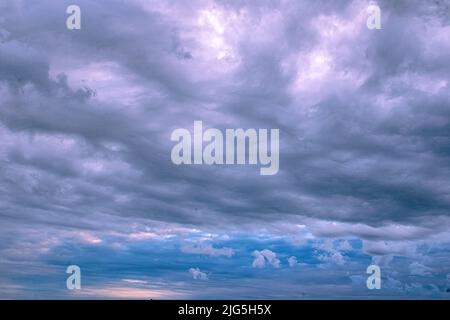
364	118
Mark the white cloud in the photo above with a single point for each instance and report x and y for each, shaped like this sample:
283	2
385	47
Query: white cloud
265	255
332	257
259	261
197	274
331	252
292	261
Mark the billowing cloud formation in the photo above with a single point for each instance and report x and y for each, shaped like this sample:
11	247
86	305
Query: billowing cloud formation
86	117
265	255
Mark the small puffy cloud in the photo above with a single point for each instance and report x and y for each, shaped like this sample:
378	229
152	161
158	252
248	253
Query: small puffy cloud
207	249
329	252
332	257
265	255
418	269
197	274
292	261
259	261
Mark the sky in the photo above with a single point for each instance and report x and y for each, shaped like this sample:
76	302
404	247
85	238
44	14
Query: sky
86	176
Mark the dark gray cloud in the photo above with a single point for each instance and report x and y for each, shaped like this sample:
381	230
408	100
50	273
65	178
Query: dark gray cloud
365	148
86	116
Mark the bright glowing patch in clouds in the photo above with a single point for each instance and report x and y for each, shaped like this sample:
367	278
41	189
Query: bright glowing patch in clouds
125	292
216	28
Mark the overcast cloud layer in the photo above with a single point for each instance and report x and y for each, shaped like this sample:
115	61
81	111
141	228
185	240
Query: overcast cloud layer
86	176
